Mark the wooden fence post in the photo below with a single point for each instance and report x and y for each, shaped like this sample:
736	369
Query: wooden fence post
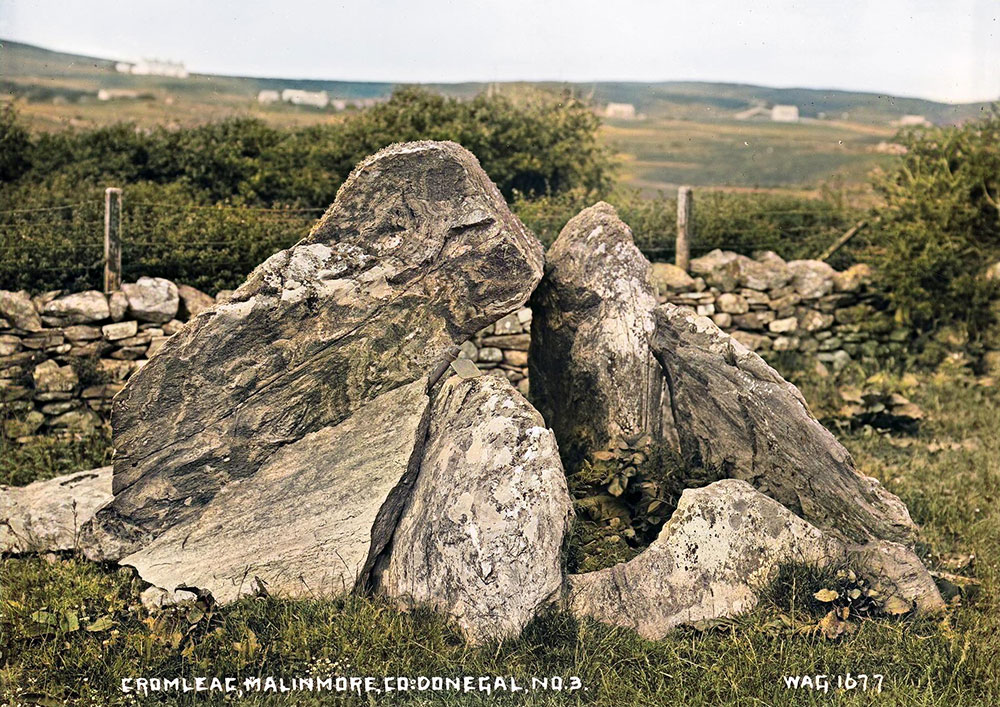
112	239
685	205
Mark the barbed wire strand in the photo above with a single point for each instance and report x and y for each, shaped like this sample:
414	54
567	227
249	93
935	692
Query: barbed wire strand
43	208
221	207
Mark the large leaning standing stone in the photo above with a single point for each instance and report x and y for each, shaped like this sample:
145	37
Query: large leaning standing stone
737	416
481	538
592	374
416	254
49	515
313	518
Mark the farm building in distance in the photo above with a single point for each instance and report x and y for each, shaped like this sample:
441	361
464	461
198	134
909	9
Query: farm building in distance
912	121
624	111
153	67
317	99
785	114
778	113
114	94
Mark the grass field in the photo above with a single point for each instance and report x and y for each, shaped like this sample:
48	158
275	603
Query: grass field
662	154
948	474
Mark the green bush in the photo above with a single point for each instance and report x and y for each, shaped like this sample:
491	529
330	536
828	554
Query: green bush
15	146
940	225
541	144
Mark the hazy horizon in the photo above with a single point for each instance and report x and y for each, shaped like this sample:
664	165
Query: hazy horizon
907	49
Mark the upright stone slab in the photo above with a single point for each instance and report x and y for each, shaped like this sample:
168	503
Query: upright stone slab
416	254
736	415
481	538
592	374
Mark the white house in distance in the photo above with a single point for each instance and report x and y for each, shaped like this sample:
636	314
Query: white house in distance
153	67
623	111
317	99
266	97
912	121
785	114
114	94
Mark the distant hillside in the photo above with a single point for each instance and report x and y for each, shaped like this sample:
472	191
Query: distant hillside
38	74
689	134
688	98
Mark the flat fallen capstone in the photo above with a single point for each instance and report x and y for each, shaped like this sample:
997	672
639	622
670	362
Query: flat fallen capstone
481	537
417	253
723	544
48	516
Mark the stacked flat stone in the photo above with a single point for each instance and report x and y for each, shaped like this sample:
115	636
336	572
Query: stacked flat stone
64	356
502	348
770	305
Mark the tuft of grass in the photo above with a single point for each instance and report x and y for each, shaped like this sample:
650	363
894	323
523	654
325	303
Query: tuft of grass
48	456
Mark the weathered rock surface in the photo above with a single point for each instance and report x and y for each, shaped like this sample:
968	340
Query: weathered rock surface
737	415
53	382
417	253
667	277
481	537
722	545
193	301
117	305
311	521
593	376
728	411
152	299
79	308
812	278
728	271
18	309
48	515
155	599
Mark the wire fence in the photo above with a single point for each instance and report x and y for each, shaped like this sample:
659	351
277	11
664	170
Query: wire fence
213	247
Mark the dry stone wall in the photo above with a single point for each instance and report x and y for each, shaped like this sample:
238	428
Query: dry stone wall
63	356
771	306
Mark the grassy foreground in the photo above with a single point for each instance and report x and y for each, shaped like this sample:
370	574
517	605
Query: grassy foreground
91	632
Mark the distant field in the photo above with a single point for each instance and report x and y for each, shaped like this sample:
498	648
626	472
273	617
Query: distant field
662	154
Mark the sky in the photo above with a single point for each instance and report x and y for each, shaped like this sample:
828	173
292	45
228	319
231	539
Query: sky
944	50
